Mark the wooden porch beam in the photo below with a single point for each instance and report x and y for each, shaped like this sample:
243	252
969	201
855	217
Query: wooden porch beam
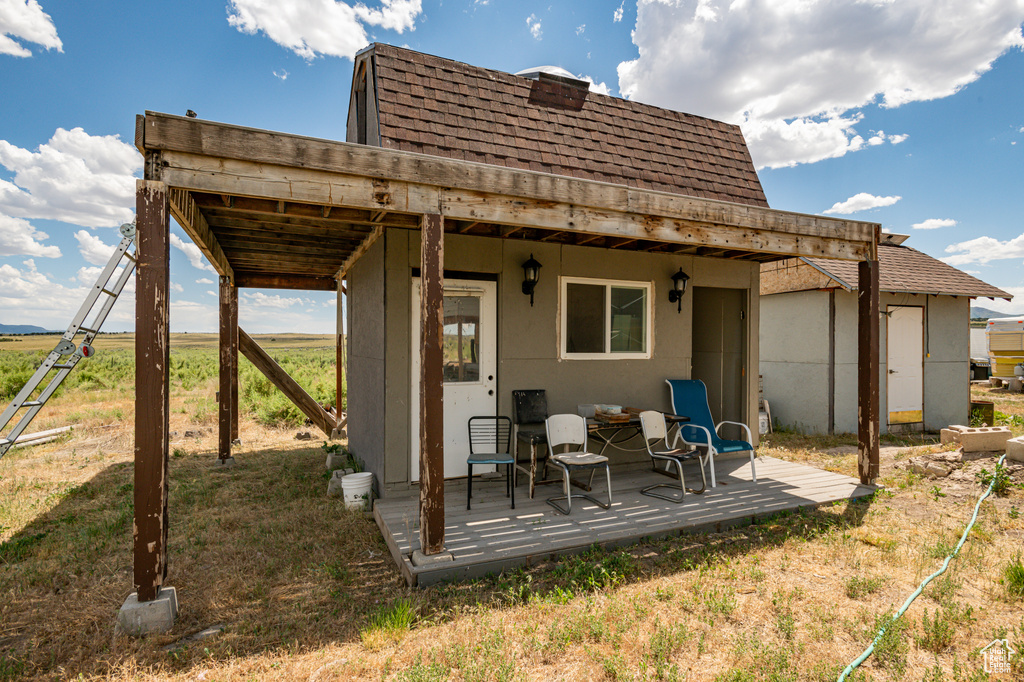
743	228
188	215
152	407
284	382
227	409
360	250
867	371
251	280
431	424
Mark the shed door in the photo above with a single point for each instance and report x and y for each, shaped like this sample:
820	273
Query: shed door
905	364
470	365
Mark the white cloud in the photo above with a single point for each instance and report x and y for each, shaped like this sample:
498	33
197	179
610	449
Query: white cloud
534	25
27	21
19	238
1003	306
258	299
984	249
75	178
92	248
617	16
204	280
192	252
934	224
795	73
282	74
581	29
321	27
861	202
896	139
177	287
28	296
600	88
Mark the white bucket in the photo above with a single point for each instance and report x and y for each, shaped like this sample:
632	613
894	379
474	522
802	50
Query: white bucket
356	489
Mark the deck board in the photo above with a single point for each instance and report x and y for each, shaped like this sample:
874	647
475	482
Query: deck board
492	537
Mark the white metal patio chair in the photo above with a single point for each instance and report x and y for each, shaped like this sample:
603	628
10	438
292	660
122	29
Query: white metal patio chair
656	439
571	430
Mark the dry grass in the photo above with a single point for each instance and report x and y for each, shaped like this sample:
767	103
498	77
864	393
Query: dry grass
305	590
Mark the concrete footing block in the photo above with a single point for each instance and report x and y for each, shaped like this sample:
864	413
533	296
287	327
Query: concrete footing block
950	435
225	463
336	460
148	617
420	559
985	439
981	439
1015	449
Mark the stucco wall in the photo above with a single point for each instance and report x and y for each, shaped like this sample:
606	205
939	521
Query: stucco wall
528	337
365	369
794	359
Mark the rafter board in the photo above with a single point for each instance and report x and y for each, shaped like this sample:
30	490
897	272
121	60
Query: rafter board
191	219
362	248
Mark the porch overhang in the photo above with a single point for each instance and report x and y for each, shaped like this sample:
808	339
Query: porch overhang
285	211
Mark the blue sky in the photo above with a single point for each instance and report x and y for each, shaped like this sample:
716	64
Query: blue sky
906	113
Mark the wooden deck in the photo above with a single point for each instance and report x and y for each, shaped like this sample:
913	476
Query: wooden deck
492	537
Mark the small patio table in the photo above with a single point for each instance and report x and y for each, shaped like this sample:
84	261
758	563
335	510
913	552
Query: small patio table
613	433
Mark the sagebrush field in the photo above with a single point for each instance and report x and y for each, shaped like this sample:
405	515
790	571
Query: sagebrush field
295	587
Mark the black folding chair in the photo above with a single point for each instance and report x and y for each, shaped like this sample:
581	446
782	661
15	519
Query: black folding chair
489	440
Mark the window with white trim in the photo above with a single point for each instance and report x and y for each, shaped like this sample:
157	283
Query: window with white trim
605	319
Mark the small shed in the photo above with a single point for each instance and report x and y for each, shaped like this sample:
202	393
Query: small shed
809	350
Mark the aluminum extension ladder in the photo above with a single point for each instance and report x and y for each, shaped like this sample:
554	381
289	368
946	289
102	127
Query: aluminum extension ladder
66	347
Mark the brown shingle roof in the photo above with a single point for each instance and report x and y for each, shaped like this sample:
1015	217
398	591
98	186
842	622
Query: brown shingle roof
438	106
903	269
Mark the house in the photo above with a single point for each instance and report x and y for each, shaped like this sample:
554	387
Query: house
454	178
599	327
808	331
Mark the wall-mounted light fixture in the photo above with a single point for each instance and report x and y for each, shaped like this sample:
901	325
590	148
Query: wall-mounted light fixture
675	294
531	273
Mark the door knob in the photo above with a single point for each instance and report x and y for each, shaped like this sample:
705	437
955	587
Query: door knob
892	371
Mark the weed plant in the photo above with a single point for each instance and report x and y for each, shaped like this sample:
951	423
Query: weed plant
1013	577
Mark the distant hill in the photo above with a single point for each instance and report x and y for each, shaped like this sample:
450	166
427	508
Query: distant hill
24	329
985	313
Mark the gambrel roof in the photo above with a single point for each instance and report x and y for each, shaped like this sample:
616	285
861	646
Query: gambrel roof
550	124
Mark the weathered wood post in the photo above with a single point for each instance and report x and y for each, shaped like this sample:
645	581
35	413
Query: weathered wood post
228	408
431	384
867	371
152	608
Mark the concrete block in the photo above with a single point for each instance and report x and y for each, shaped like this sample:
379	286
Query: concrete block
1015	386
227	462
335	460
1015	449
985	439
950	435
143	618
420	559
334	485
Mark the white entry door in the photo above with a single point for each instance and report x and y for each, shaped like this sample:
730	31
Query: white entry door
470	367
905	365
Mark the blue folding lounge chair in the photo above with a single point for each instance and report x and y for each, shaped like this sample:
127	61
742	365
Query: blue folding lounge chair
690	399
